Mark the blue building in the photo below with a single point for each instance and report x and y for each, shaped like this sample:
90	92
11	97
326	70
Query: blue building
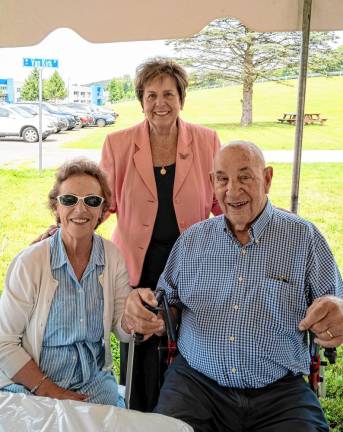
98	97
7	90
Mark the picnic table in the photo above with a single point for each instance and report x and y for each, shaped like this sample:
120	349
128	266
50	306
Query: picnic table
309	118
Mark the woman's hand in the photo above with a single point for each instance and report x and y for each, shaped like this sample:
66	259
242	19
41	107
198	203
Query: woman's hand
137	318
50	389
30	376
48	233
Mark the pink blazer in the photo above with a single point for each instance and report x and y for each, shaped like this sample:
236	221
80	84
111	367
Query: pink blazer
126	158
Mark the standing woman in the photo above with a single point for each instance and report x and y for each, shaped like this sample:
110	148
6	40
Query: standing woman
159	176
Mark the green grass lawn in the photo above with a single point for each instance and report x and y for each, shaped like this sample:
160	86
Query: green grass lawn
220	109
24	215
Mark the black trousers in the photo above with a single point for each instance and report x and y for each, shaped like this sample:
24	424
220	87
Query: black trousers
288	405
147	376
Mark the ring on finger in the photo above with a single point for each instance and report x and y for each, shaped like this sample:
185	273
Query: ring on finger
329	333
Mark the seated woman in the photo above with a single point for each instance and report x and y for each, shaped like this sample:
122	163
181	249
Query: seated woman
62	298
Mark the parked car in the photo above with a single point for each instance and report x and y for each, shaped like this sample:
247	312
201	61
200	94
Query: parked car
33	110
63	123
53	109
102	117
17	122
85	118
103	109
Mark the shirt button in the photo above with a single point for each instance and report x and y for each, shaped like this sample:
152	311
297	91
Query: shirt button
240	279
244	251
257	241
81	319
233	370
231	338
236	307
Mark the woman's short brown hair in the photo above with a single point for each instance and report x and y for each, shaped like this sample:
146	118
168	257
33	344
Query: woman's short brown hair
157	67
78	167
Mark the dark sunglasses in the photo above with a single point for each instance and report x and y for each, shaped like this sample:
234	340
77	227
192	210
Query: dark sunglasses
70	200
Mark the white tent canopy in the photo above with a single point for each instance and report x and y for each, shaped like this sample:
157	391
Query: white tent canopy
25	23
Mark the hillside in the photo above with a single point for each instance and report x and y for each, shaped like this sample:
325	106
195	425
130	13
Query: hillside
220	109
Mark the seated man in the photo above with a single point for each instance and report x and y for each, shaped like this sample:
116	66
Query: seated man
244	281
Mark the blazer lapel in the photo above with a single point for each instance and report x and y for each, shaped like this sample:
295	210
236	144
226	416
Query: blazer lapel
143	159
184	156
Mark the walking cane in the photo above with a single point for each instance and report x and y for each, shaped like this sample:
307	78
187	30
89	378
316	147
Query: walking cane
136	339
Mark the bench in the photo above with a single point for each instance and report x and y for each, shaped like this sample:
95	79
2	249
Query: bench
310	118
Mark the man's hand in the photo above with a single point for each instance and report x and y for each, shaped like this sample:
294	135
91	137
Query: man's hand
137	318
325	319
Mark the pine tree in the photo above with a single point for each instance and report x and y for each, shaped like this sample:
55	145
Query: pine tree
55	87
29	90
232	51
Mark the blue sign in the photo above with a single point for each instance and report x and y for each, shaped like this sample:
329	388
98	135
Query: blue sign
40	62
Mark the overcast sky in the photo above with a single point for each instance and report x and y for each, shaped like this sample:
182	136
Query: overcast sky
80	61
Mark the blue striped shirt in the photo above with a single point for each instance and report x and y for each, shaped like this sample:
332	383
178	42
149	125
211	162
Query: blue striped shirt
241	305
73	351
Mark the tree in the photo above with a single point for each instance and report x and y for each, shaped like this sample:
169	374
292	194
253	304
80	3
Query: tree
115	90
128	87
55	87
29	90
330	63
228	49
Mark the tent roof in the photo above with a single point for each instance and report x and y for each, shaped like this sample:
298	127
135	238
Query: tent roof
25	23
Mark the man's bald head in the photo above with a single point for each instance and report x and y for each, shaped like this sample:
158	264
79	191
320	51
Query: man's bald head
247	148
241	183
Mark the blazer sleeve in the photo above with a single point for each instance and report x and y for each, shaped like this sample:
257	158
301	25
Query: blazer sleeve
16	306
107	163
216	210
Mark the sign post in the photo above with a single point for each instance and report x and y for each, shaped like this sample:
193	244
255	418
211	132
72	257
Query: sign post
40	63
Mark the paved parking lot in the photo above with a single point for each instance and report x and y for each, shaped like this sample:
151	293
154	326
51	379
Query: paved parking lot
14	152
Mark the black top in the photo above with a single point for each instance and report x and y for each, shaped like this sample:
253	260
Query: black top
165	231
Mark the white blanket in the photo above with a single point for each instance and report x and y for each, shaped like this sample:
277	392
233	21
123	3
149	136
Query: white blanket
22	413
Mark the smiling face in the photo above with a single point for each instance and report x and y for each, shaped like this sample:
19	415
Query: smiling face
161	102
78	222
241	183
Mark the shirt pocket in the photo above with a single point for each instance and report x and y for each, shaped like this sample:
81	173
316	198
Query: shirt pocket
282	305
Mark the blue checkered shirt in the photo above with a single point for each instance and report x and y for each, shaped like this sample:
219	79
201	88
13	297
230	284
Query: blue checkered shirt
241	305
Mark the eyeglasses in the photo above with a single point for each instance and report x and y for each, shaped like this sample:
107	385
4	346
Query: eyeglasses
70	200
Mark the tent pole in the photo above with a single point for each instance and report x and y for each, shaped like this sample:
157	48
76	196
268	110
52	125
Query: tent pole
299	125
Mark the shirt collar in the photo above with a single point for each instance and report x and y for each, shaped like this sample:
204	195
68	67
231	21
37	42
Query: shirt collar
258	226
59	255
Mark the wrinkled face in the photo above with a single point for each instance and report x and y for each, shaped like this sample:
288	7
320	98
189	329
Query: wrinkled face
241	184
161	102
79	221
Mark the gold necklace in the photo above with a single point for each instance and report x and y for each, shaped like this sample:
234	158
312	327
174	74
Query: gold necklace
163	171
